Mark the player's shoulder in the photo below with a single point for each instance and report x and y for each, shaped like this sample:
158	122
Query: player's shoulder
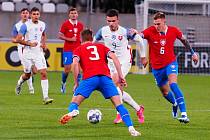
151	28
42	22
105	28
173	28
19	23
65	22
122	29
80	23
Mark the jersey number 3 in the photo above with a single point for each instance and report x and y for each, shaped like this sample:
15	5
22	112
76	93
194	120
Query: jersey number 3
94	52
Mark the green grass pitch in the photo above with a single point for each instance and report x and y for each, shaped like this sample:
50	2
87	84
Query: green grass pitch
24	117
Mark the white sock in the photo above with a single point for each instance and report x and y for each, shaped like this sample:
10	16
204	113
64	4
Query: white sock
45	86
129	100
184	113
21	81
30	83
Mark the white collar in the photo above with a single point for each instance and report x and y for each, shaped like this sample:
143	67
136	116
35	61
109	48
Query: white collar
73	22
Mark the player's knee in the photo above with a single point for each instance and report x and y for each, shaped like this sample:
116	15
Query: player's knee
43	75
27	76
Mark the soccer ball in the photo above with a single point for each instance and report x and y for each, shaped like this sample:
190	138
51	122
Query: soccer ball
94	116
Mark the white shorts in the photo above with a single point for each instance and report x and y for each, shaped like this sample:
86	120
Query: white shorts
37	60
125	67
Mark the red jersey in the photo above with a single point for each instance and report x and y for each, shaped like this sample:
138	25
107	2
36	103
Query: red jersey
70	30
161	46
93	59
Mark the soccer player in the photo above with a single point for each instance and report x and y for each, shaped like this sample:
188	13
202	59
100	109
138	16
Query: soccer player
70	33
32	35
24	14
116	38
96	76
161	38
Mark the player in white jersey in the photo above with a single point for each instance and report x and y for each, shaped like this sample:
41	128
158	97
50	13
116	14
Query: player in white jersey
24	14
116	38
33	32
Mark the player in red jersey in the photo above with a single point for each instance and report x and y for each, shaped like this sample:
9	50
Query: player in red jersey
70	33
161	38
92	57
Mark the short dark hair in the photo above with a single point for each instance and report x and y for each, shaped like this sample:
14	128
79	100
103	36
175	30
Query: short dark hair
159	15
87	35
34	9
24	9
112	13
72	9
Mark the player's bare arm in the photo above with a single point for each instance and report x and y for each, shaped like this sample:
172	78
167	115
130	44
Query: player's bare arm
43	41
75	71
20	40
187	45
63	37
122	80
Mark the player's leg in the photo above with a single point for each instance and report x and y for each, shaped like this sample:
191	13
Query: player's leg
73	109
40	64
172	72
109	91
25	76
67	61
162	82
126	96
83	91
29	81
30	85
124	115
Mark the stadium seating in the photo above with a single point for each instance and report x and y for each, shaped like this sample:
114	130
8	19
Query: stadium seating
20	5
58	1
62	8
30	1
3	1
48	7
44	1
8	6
35	4
17	1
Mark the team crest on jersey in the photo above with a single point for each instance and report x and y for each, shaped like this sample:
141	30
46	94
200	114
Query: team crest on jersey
163	42
75	30
41	29
113	37
120	37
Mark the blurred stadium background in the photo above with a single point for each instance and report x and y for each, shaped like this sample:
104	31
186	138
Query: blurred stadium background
192	16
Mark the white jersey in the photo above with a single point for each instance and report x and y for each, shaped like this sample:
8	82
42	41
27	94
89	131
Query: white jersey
33	55
15	30
33	33
116	41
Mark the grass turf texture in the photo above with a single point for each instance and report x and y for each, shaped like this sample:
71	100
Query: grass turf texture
24	117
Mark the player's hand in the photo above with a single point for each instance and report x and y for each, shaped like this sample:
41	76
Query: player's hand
123	82
144	61
74	38
43	45
33	44
195	58
133	31
75	86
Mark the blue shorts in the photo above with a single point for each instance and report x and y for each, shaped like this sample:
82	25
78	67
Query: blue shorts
161	75
101	83
67	58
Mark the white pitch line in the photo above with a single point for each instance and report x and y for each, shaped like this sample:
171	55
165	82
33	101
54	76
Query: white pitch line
44	108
